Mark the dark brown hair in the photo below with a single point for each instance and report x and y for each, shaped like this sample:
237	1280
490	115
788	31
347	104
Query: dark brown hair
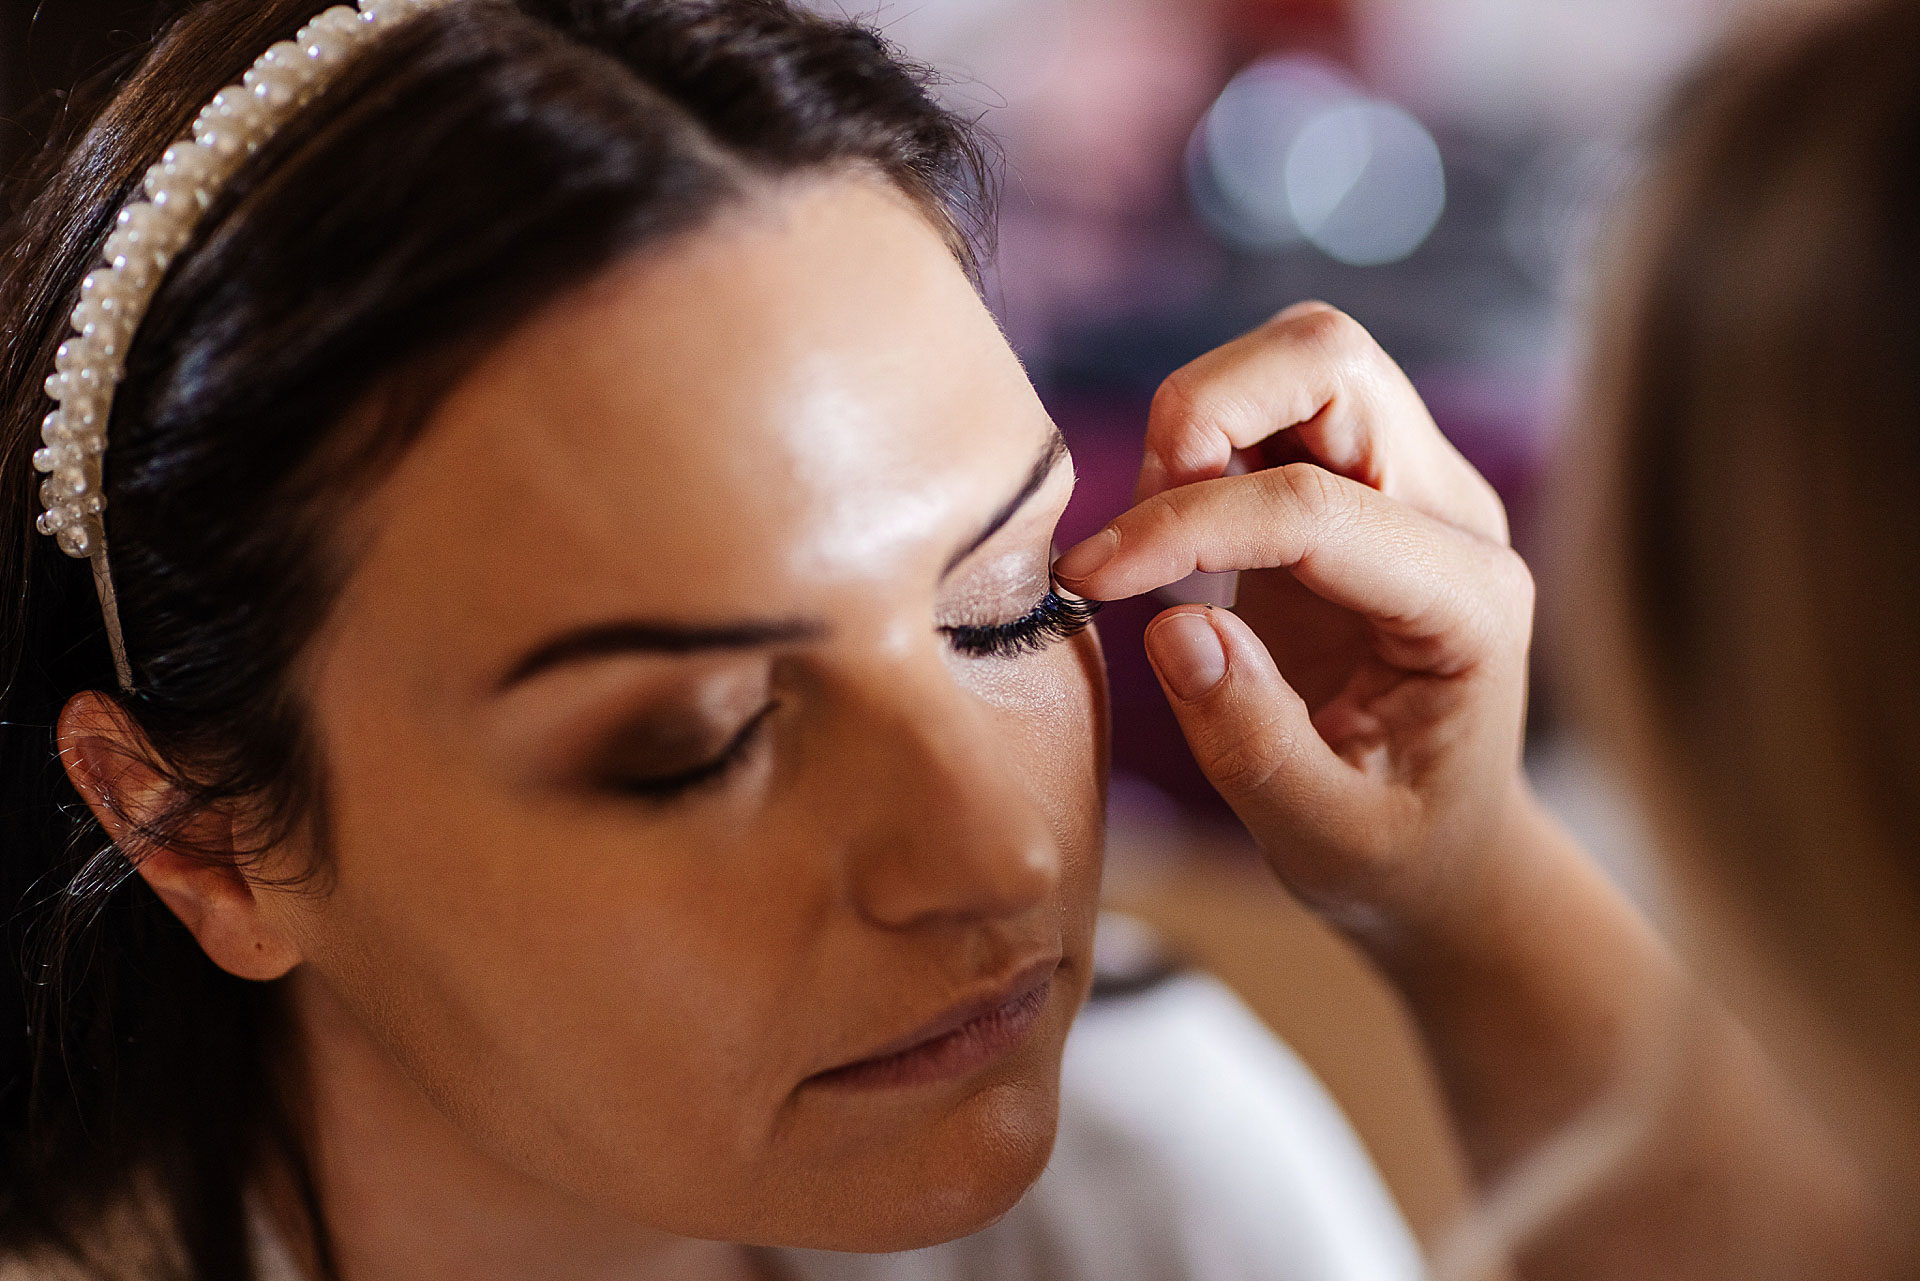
479	161
1752	553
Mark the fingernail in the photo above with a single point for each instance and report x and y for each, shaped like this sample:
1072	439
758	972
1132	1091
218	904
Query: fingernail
1088	555
1187	653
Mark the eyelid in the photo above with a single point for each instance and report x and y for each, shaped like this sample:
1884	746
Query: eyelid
665	788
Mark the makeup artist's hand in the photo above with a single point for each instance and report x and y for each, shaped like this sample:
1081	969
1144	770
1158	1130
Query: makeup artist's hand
1361	705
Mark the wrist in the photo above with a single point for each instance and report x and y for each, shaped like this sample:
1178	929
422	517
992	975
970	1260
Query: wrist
1458	895
1519	906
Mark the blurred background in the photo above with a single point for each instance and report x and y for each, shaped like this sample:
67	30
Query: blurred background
1175	171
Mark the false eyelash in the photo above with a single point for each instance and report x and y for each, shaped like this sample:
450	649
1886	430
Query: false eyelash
1054	619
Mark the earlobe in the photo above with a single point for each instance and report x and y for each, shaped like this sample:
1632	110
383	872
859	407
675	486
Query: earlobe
194	868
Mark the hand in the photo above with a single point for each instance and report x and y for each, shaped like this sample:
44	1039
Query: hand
1361	706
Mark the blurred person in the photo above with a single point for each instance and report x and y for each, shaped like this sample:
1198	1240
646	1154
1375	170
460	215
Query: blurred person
1748	567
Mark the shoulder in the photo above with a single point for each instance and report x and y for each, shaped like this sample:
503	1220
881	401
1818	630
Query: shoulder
1193	1146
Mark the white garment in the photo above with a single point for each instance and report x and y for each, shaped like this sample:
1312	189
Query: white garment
1193	1146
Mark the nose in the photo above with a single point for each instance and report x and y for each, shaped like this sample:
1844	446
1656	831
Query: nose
949	832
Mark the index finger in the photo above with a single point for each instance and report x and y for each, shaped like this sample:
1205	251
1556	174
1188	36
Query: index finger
1315	372
1440	597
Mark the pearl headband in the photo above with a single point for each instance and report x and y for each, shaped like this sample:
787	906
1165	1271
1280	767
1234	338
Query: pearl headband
148	232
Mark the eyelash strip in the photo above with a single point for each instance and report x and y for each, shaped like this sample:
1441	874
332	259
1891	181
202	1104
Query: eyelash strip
1054	619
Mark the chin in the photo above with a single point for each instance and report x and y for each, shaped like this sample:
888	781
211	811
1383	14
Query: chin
959	1175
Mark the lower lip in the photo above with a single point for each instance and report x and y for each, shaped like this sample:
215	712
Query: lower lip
966	1049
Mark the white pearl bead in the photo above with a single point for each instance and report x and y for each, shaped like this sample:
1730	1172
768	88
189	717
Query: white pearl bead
140	217
82	415
46	458
288	54
221	134
223	138
75	541
53	495
73	480
134	276
51	521
193	162
89	314
74	354
239	107
104	288
131	240
93	504
175	192
122	247
100	320
340	20
324	45
383	11
276	84
59	386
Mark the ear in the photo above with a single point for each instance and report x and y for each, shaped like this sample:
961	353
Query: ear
196	872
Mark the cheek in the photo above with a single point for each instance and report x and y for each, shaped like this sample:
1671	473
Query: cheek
1054	708
585	1001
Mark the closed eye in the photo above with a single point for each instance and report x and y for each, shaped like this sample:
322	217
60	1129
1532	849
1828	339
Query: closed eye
1054	619
668	787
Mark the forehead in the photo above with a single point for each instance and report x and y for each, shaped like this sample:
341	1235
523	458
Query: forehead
805	391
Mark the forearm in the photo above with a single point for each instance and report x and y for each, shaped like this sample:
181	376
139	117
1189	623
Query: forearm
1613	1117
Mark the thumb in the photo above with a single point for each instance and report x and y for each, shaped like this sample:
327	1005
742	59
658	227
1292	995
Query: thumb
1254	738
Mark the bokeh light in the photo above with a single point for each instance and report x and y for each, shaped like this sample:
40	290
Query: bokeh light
1294	150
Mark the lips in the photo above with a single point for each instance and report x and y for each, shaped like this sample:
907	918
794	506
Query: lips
960	1040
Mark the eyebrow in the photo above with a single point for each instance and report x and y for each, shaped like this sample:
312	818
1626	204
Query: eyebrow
601	640
1050	455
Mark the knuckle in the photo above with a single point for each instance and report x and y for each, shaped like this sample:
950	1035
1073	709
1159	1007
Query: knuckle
1517	583
1501	603
1310	491
1493	510
1245	763
1303	312
1520	578
1192	403
1159	518
1193	418
1327	328
1358	363
1173	401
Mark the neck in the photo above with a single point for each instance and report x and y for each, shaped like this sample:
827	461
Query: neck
409	1198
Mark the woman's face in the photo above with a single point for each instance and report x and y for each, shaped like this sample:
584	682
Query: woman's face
664	814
